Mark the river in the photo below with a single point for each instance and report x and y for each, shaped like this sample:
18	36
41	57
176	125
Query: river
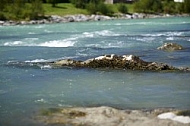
27	89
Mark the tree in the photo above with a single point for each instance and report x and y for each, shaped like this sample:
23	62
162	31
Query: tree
123	8
53	2
169	7
148	6
157	6
3	4
16	9
104	9
80	3
187	6
37	10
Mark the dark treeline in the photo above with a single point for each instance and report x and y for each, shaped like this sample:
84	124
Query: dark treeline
162	6
19	10
33	9
142	6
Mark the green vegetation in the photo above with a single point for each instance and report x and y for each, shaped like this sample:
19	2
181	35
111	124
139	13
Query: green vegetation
63	9
69	112
37	9
19	10
184	113
162	6
123	8
50	111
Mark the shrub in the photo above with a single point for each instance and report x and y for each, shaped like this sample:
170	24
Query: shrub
91	8
187	6
104	9
123	8
80	3
2	16
37	10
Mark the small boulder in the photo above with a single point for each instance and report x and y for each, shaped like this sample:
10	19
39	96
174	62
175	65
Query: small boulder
170	47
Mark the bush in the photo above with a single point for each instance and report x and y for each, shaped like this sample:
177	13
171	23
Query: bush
101	8
37	10
104	9
123	8
91	8
2	16
80	3
169	7
187	6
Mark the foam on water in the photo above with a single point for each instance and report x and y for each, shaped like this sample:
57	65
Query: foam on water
45	67
164	34
99	33
71	40
170	38
15	43
31	33
36	61
57	43
105	33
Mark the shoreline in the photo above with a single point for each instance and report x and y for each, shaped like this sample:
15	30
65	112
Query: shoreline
104	115
54	19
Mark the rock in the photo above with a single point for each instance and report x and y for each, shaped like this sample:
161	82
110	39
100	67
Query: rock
82	18
104	116
32	22
113	61
174	117
23	22
2	22
123	62
101	17
170	47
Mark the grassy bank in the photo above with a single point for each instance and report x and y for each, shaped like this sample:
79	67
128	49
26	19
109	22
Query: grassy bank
63	9
69	9
37	10
31	11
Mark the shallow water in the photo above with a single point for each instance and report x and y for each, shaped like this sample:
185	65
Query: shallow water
26	89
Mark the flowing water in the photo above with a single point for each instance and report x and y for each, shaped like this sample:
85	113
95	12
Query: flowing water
26	89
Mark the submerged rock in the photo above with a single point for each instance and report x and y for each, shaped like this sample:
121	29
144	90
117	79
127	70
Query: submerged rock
107	116
114	62
170	47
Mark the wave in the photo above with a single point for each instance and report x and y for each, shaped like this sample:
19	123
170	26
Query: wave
54	43
164	34
100	33
31	33
31	39
83	39
57	43
72	40
15	43
36	61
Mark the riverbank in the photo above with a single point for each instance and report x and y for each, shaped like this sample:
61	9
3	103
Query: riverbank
83	18
108	116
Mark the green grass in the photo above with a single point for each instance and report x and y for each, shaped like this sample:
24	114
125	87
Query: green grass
63	9
69	9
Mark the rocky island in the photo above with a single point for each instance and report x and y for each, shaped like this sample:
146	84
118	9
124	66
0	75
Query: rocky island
112	61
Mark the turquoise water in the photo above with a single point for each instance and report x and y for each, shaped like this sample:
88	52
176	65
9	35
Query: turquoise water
26	89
